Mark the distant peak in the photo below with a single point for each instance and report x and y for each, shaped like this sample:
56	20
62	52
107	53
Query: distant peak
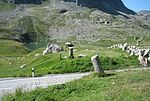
108	6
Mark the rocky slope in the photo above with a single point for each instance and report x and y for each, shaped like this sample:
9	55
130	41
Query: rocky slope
108	6
23	1
145	14
61	20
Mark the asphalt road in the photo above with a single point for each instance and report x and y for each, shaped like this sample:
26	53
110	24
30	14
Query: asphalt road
9	85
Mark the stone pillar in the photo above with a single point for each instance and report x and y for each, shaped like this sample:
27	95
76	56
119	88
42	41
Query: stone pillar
33	72
71	56
96	64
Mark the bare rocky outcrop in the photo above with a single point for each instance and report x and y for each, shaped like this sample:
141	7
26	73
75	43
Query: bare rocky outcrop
52	48
145	14
108	6
24	1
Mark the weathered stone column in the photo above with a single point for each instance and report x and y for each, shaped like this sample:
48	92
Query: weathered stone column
71	52
96	64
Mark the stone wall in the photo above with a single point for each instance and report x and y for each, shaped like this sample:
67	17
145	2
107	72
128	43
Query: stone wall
142	54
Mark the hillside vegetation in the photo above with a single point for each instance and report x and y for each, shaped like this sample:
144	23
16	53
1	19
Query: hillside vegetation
16	61
12	48
58	21
27	26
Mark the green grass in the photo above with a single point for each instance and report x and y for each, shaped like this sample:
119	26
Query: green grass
125	86
12	48
52	63
13	55
47	64
6	6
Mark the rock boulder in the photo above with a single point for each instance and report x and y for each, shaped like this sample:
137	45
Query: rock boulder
52	48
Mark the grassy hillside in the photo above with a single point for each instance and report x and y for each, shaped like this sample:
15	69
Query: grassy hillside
125	86
58	22
92	31
6	6
57	62
12	48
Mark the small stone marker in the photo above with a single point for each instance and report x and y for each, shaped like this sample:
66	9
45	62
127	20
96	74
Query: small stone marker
33	72
71	52
96	64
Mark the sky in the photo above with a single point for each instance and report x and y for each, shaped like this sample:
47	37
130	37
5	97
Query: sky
137	5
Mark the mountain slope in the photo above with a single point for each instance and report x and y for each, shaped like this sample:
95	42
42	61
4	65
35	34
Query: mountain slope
145	14
108	6
23	1
61	20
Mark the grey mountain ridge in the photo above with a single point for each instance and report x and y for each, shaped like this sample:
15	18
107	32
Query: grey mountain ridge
23	1
108	6
145	14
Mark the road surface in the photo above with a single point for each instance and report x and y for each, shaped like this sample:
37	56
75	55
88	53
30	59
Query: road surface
9	85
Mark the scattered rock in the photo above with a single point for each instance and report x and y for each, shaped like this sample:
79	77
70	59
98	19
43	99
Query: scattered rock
10	63
81	55
52	48
63	11
65	57
37	54
23	66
